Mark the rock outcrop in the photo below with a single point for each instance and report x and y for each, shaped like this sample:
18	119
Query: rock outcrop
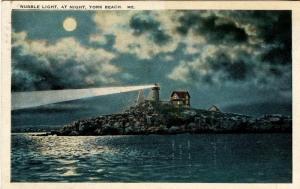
147	118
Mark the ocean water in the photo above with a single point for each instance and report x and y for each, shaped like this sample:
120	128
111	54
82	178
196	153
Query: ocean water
208	158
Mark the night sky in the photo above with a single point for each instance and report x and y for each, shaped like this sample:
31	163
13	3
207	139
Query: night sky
237	60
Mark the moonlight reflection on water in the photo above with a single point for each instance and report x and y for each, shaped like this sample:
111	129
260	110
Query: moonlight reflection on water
174	158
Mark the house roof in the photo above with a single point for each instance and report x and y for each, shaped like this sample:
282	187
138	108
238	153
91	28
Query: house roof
214	108
181	94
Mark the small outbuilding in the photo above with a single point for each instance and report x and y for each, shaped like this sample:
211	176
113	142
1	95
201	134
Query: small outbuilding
214	108
180	98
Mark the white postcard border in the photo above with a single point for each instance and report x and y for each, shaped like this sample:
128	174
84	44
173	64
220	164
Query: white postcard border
5	138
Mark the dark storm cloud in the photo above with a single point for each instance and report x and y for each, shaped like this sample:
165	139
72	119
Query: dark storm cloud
32	73
275	29
227	27
232	69
265	34
29	73
144	23
215	29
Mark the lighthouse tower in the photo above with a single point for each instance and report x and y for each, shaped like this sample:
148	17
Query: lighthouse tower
155	93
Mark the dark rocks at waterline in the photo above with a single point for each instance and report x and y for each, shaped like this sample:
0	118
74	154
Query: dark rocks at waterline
146	119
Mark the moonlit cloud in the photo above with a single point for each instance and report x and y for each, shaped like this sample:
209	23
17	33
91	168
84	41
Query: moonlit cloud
64	64
98	39
141	33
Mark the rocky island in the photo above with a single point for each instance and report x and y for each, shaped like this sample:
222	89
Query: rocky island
146	118
173	117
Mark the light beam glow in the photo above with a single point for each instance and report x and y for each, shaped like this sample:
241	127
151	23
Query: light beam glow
22	100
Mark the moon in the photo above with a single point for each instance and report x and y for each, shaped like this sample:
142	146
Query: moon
70	24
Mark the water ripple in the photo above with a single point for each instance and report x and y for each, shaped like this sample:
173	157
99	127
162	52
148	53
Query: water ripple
177	158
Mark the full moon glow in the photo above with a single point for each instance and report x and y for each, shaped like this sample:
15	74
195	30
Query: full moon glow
70	24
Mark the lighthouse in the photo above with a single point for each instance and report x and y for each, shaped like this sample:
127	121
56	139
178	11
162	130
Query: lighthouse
155	93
